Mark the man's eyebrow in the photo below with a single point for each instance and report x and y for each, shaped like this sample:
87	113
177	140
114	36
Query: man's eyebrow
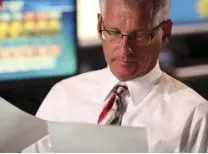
109	27
141	30
112	28
137	31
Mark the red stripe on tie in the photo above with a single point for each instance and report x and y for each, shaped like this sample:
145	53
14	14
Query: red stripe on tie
107	108
110	103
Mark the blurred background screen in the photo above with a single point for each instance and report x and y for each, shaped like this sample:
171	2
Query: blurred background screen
87	11
189	16
37	39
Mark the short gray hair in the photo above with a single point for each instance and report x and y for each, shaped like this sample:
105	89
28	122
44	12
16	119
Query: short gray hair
160	10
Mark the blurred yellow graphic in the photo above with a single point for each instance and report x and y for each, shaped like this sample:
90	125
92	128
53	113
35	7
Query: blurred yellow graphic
15	29
203	8
4	30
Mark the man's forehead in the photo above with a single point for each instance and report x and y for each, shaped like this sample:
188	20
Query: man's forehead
125	2
118	14
133	5
119	6
131	1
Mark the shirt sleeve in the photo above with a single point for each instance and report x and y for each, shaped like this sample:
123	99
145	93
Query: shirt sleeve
194	137
51	106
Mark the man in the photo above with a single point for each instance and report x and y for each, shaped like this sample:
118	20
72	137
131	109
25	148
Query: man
132	33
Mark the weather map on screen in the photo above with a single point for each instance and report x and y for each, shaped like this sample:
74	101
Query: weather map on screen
37	39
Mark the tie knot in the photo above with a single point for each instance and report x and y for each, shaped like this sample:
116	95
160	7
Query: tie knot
119	89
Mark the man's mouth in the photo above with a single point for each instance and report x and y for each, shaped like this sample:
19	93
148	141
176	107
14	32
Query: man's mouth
126	62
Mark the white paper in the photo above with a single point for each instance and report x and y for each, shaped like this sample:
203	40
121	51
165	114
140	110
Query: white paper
74	137
18	129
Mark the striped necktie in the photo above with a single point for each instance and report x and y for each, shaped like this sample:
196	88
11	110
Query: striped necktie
113	111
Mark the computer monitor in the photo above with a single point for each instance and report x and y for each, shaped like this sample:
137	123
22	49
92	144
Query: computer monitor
189	16
37	39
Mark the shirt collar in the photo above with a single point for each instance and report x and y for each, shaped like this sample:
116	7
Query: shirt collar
141	86
138	87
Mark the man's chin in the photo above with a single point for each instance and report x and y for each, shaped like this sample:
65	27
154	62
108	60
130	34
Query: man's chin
124	75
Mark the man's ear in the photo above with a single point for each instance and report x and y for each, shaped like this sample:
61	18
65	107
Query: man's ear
99	24
167	32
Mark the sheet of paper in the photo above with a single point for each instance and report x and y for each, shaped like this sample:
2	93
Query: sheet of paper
18	129
74	137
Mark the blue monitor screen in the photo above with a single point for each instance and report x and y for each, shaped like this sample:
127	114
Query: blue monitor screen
189	16
37	39
189	11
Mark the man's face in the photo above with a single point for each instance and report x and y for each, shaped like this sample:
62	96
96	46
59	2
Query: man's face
126	19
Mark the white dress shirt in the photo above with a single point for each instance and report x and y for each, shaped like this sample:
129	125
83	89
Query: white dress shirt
176	117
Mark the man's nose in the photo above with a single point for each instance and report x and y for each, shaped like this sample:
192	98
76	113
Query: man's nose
124	45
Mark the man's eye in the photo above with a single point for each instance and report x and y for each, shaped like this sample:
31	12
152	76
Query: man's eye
114	32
